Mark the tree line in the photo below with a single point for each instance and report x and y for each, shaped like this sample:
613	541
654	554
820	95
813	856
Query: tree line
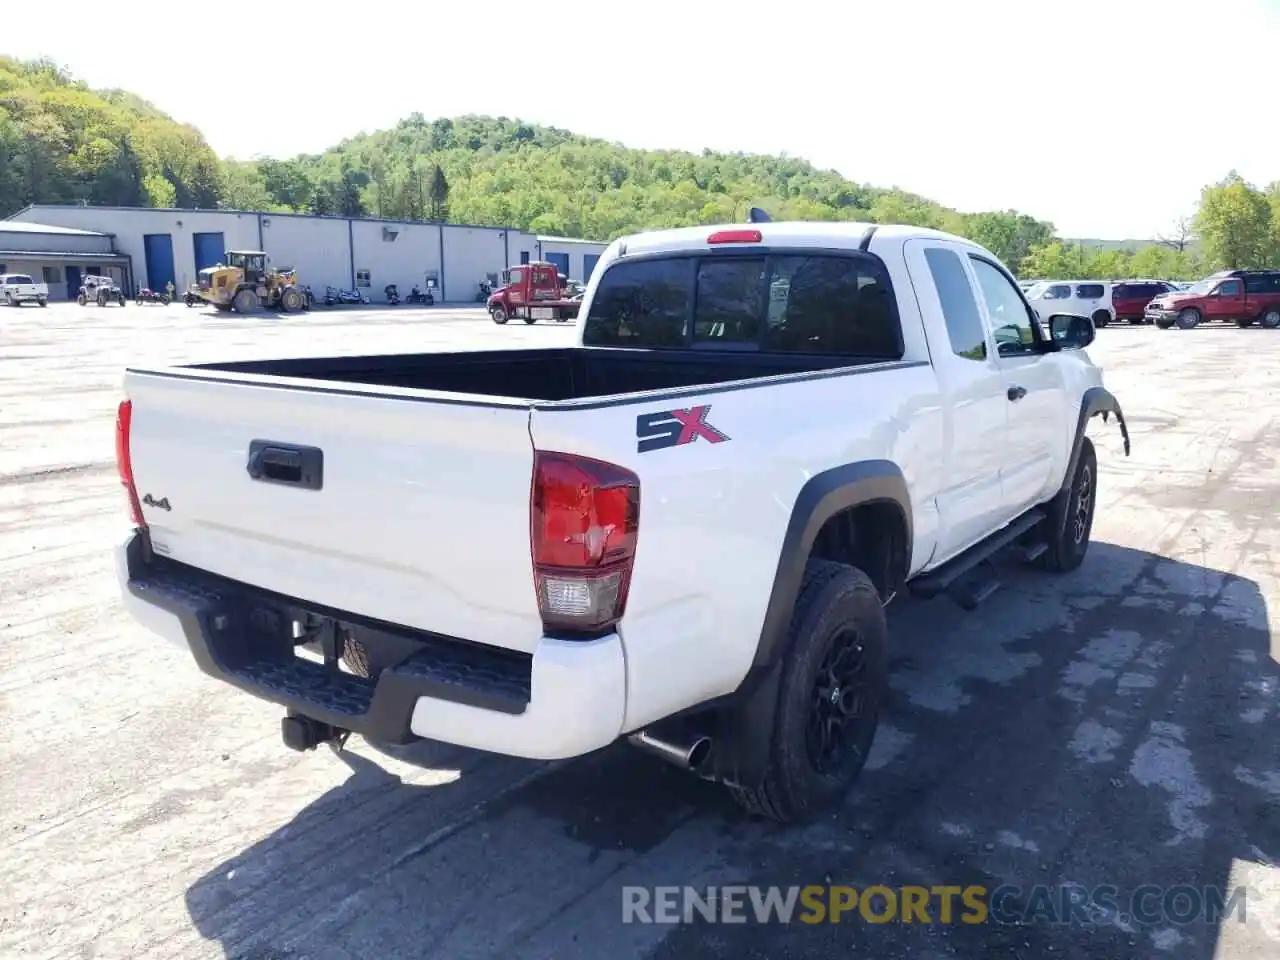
61	142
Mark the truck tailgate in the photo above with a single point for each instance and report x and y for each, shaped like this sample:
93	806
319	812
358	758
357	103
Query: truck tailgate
421	517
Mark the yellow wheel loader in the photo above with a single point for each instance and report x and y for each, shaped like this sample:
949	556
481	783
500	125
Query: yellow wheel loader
245	283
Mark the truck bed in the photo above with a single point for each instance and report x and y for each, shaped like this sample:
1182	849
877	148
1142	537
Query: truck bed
548	375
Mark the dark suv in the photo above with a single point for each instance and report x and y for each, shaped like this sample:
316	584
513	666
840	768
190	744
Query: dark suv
1130	298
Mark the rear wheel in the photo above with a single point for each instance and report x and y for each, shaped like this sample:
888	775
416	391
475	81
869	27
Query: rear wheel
246	301
43	302
499	314
1270	318
530	318
834	682
1244	322
1188	318
1101	318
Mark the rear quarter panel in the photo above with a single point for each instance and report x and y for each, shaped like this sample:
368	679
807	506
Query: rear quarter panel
713	515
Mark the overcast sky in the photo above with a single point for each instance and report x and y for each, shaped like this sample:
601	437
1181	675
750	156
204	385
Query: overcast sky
1105	118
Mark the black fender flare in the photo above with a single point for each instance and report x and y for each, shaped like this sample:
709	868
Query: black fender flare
1097	401
744	728
821	498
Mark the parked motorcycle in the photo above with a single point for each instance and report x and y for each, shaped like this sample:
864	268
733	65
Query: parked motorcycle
330	296
417	296
485	292
393	294
147	295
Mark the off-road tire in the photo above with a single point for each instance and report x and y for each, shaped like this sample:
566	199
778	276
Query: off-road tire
1269	319
499	314
245	301
1188	318
82	299
837	604
1067	529
290	300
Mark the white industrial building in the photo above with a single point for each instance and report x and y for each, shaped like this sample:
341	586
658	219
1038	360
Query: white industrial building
149	247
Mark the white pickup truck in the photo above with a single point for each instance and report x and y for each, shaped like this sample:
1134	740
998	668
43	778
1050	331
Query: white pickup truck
18	288
682	530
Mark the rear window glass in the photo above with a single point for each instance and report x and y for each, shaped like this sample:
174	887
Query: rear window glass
644	303
19	278
1264	283
1090	291
728	300
784	303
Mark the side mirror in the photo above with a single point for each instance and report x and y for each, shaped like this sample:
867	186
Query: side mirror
1070	331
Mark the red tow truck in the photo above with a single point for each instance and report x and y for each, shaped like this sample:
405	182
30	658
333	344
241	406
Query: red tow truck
534	291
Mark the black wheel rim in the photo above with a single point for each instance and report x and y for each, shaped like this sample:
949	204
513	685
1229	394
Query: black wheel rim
1083	511
840	709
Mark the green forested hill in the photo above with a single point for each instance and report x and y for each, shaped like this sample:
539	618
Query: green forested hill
61	142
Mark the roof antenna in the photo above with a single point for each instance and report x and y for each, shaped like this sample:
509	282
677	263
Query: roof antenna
756	215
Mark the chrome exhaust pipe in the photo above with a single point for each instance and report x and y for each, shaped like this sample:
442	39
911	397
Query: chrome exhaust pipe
688	754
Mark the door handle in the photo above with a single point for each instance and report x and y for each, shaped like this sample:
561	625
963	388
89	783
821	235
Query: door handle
286	464
1016	393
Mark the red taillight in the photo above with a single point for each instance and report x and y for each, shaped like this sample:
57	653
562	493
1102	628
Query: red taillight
124	462
584	520
736	236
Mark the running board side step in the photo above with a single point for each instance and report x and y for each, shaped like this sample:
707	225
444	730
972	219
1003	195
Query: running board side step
947	577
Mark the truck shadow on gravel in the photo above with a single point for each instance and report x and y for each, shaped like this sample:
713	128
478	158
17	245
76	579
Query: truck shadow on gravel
1113	727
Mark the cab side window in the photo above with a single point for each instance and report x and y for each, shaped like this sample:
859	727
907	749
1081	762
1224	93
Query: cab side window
959	307
1229	288
1011	319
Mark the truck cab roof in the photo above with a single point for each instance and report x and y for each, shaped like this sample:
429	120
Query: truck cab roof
844	234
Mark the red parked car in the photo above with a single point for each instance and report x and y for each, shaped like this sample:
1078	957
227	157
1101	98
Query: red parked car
1243	296
1130	298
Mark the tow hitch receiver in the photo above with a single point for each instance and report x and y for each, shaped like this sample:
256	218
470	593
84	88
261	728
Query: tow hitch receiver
304	733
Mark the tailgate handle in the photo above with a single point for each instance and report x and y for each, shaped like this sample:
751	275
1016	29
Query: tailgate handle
286	463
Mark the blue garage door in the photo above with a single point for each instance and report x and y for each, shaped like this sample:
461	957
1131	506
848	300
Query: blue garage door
589	261
157	249
210	248
73	282
561	260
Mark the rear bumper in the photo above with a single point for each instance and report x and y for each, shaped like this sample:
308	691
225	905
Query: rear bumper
567	699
